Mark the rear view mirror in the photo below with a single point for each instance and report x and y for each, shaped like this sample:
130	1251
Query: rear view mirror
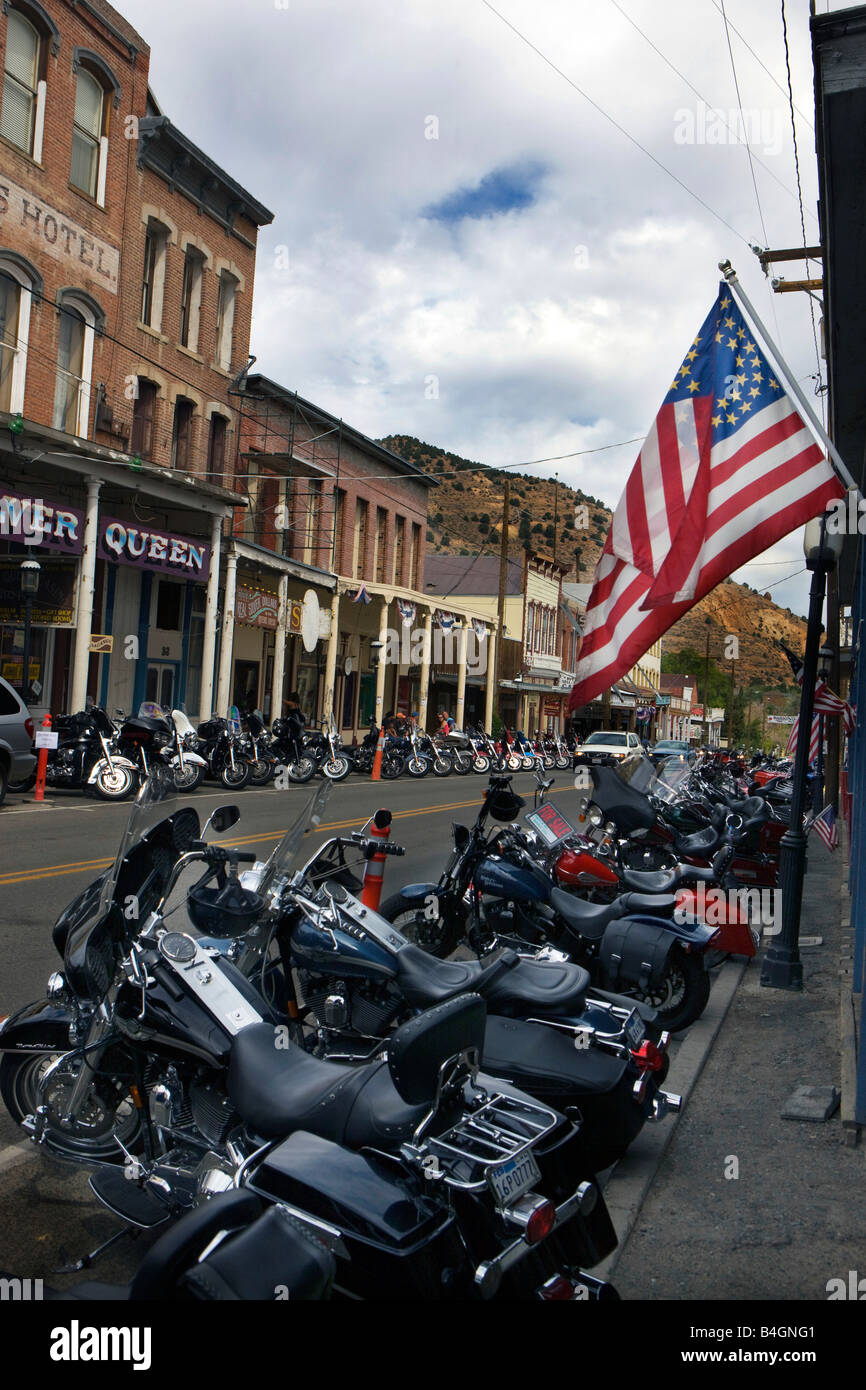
224	817
461	836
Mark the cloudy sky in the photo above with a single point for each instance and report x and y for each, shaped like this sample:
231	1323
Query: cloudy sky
464	247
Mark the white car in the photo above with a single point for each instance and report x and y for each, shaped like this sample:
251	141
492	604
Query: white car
606	746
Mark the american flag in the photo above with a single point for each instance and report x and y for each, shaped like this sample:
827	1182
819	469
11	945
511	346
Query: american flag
727	469
825	703
825	825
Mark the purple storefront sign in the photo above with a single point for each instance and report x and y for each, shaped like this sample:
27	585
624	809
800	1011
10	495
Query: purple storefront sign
161	551
33	521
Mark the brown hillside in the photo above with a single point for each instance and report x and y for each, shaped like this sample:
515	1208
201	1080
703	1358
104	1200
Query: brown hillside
465	515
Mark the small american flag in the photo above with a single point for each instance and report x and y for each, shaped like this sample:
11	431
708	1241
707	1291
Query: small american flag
361	596
825	826
727	469
825	703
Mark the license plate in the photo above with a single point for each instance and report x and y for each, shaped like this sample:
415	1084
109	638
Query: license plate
635	1030
509	1180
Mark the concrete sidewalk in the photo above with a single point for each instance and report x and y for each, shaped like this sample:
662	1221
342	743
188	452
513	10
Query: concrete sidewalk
744	1204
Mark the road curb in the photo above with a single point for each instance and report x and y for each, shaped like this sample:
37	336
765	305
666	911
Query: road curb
630	1180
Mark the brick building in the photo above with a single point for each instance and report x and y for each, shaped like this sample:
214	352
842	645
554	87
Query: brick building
127	260
324	496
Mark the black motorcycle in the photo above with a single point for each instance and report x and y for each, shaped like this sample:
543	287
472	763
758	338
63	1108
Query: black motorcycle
221	749
87	757
156	1060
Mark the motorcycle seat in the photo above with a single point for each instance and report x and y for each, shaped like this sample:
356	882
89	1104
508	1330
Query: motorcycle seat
277	1089
591	919
545	1059
508	985
665	880
699	842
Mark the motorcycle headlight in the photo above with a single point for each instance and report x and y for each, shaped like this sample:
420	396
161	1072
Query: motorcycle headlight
596	817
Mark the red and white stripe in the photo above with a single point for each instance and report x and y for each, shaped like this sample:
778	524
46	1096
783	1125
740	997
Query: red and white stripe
691	514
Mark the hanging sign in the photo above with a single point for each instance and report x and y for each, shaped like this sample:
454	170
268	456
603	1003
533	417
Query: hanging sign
33	521
161	551
256	607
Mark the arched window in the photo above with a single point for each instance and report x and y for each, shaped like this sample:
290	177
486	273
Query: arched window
87	134
16	285
23	113
74	366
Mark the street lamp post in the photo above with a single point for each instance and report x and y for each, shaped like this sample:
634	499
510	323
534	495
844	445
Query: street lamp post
30	570
782	968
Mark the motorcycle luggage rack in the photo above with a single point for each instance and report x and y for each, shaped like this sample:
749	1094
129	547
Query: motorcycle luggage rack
502	1128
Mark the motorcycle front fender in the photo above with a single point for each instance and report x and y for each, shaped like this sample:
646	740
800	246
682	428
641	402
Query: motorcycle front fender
416	894
188	758
104	763
39	1027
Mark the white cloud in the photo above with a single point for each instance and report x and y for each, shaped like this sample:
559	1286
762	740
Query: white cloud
552	328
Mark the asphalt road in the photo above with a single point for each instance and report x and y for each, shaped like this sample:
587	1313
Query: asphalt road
49	853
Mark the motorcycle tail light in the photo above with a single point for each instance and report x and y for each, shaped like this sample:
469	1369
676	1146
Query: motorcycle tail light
558	1289
540	1223
648	1057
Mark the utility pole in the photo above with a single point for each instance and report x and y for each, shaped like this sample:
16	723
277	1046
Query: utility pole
731	720
555	511
503	576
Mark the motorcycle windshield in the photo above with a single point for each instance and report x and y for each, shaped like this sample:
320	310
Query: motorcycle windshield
157	803
282	860
639	773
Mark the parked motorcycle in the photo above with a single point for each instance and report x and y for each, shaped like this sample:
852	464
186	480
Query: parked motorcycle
223	753
156	1060
496	891
359	979
87	756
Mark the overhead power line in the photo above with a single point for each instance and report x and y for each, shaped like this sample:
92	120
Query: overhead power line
615	123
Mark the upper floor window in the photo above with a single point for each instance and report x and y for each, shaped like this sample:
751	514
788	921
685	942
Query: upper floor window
22	118
74	365
89	137
339	515
379	566
15	295
143	413
190	298
216	448
225	320
415	557
181	434
359	542
153	279
399	537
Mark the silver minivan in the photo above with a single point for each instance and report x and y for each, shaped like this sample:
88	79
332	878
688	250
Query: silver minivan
17	759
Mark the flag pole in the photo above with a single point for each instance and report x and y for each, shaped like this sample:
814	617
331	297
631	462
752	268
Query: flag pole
781	367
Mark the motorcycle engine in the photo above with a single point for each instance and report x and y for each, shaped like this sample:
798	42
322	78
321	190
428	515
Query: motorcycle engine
363	1008
513	919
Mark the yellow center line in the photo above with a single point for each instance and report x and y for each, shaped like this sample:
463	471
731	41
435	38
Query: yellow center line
81	866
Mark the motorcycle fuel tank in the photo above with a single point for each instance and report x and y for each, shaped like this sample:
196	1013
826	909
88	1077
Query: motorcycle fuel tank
352	953
503	880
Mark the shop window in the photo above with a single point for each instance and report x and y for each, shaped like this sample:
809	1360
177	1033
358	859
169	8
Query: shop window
169	606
